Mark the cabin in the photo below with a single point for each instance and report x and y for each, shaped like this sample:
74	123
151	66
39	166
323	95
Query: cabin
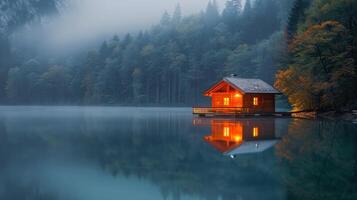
239	95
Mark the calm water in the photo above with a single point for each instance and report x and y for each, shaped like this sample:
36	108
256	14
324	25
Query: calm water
107	153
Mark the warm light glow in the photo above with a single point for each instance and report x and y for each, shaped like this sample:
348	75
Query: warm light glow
238	138
255	132
226	131
237	95
226	101
225	134
255	101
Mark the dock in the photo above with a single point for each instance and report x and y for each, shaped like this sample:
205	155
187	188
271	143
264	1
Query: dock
236	112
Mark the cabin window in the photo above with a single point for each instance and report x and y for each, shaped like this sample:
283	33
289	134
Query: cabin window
226	101
255	132
226	131
255	101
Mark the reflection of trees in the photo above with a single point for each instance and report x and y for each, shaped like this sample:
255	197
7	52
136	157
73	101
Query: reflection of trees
20	191
3	145
181	163
167	151
318	157
12	148
320	160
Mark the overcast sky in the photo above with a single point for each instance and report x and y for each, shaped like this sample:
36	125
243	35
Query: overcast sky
87	20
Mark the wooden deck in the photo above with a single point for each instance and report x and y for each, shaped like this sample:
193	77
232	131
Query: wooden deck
235	112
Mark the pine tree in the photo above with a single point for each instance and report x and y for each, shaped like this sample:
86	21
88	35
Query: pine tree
247	8
104	51
230	14
237	5
296	15
212	13
165	19
176	17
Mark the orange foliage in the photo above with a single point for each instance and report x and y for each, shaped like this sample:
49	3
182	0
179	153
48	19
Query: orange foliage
322	69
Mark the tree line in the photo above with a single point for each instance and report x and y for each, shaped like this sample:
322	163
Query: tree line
309	45
172	63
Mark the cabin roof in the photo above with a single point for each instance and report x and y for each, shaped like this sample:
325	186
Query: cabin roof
251	85
252	147
247	85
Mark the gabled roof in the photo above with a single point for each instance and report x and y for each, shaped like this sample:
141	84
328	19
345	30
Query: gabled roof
251	85
247	85
252	147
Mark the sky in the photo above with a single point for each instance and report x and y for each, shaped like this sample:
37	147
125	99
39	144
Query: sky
84	21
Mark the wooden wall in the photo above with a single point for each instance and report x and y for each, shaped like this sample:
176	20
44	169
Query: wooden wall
266	102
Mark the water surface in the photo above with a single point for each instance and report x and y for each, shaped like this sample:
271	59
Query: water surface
110	153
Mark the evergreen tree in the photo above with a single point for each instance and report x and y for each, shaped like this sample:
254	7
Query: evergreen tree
212	16
238	5
176	17
247	9
104	52
6	61
296	16
165	19
230	14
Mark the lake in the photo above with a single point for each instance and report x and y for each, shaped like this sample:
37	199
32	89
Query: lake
110	153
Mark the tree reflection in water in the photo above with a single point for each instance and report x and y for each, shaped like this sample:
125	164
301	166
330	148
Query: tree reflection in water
165	150
315	160
319	158
180	162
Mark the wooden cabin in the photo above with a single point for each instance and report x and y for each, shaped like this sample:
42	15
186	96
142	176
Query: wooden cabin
239	95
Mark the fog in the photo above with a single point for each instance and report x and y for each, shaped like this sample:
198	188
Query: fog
84	22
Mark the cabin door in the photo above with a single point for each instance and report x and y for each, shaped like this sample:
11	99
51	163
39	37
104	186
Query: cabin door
237	100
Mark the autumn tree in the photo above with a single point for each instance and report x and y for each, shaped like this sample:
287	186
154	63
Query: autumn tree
322	73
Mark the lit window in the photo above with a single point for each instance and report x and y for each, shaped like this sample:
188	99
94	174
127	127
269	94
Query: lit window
226	131
226	101
255	101
255	132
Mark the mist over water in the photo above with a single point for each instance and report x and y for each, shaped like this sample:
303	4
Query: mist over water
83	23
141	153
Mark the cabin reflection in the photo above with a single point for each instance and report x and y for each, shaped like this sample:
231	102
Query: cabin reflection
232	137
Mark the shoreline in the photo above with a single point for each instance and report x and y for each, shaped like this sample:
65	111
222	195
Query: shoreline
347	116
350	116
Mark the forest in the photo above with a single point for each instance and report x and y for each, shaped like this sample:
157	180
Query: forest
308	48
